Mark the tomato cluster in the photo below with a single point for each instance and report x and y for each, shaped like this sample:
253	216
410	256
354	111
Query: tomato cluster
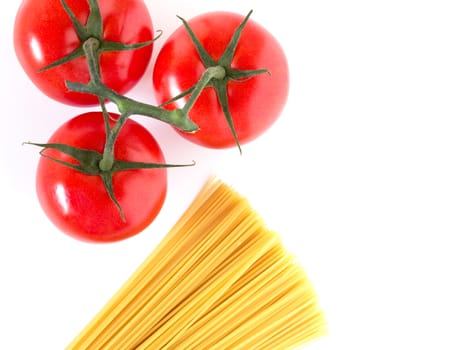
220	80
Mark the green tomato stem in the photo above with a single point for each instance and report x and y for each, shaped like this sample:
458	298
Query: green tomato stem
91	50
125	105
108	156
214	72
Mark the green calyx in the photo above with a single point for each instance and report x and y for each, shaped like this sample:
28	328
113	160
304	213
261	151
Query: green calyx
218	73
92	29
89	163
93	163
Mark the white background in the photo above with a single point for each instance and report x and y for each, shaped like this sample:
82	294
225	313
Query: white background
364	176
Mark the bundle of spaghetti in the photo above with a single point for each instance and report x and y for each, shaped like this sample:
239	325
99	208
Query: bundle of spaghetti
220	279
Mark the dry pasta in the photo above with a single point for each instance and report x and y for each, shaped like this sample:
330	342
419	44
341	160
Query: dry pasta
220	279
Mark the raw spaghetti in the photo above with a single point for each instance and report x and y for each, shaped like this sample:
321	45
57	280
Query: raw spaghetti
219	280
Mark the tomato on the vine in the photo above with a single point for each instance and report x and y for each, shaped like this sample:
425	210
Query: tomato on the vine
254	102
44	33
79	204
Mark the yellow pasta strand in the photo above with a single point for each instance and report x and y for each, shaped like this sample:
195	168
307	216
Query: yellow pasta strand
218	280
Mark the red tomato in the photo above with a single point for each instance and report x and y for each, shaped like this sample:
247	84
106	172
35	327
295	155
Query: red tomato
255	103
44	33
79	205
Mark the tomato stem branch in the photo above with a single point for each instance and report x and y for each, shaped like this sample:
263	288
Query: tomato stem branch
108	156
125	105
214	72
91	50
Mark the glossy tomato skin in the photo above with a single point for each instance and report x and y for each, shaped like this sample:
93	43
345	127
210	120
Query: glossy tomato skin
44	33
255	104
79	205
